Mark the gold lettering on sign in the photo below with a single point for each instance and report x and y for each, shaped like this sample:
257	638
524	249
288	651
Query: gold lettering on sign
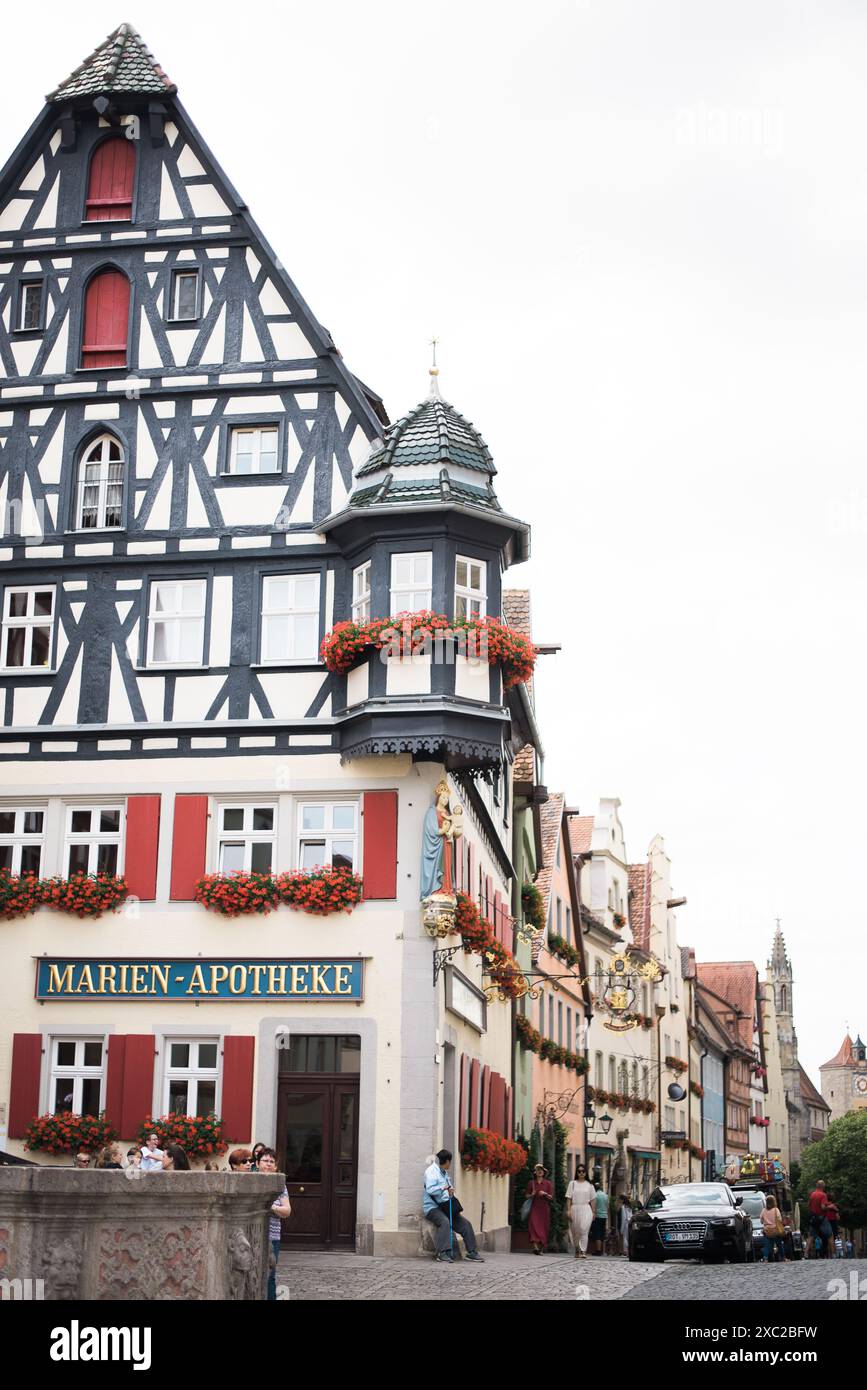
107	975
319	984
123	987
85	979
257	971
160	976
219	975
298	986
197	981
343	979
139	979
57	983
276	979
237	979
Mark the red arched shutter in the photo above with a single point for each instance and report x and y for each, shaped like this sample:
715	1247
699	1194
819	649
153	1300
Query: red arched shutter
109	188
106	320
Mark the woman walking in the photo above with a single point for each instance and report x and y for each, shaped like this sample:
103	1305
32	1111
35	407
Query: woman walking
579	1196
774	1232
542	1193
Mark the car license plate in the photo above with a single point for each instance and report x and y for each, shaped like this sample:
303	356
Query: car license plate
680	1235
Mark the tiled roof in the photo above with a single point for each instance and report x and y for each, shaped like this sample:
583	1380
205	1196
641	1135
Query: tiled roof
433	432
516	613
551	818
524	766
844	1058
809	1092
639	904
734	981
580	833
122	63
710	1020
687	963
390	492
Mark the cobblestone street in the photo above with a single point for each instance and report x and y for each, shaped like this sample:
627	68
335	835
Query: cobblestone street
315	1275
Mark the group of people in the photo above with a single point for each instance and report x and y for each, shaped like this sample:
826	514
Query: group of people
825	1240
261	1159
149	1158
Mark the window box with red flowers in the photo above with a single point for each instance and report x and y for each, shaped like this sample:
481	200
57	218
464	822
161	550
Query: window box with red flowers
82	895
759	1072
675	1143
697	1089
478	936
619	920
19	896
320	892
485	639
483	1151
66	1133
676	1064
696	1151
761	1121
200	1136
564	951
618	1100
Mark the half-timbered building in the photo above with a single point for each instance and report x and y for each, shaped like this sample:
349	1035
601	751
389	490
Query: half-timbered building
194	489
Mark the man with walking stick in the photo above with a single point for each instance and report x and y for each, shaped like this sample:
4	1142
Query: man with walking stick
444	1211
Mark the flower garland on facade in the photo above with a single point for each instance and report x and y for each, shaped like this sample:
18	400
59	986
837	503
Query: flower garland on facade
564	950
486	638
81	895
478	936
676	1064
66	1133
762	1121
484	1151
533	906
531	1040
320	892
200	1136
619	1100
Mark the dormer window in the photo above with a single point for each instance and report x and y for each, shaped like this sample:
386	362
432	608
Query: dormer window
106	321
470	588
110	184
99	500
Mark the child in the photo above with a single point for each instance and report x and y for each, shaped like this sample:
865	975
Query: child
152	1155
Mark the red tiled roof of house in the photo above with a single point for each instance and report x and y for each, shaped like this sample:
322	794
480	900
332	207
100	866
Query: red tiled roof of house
736	982
516	613
551	819
687	963
524	766
809	1092
844	1058
639	904
580	833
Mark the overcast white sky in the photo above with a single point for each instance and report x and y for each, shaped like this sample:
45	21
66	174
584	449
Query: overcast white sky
640	232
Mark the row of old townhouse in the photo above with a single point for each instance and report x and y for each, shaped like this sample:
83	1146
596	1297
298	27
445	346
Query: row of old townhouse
259	859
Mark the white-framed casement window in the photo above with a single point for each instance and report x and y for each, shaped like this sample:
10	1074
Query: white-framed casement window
99	498
22	839
31	298
254	449
185	295
28	627
77	1075
94	839
361	593
191	1075
176	622
328	834
411	582
471	587
247	838
290	617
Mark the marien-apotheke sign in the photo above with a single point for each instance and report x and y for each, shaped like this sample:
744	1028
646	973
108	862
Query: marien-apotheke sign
199	979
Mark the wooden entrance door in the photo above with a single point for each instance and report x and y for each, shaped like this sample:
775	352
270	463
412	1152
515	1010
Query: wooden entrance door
317	1147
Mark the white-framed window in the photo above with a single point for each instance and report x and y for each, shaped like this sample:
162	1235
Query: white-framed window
668	1111
598	1072
191	1075
77	1075
411	582
471	596
94	839
247	838
645	1082
254	449
28	627
328	834
185	294
99	498
361	593
290	617
22	839
612	1074
30	301
176	622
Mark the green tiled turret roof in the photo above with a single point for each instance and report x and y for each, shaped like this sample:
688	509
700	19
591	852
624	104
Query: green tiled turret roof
434	432
122	64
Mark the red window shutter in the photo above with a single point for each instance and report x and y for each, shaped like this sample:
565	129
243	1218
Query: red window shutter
510	1121
472	884
459	865
475	1088
189	838
142	838
498	920
138	1082
24	1091
465	1098
237	1102
486	1097
110	184
114	1081
106	320
498	1104
379	818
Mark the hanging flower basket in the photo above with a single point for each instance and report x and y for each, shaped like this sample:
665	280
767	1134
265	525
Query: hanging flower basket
200	1136
676	1064
478	936
697	1089
483	1151
66	1133
485	639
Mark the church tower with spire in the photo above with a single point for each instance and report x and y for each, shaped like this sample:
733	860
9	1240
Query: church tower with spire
779	975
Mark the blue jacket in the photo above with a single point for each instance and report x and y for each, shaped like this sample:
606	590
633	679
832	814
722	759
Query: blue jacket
436	1187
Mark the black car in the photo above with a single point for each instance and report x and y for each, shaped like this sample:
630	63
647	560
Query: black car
692	1220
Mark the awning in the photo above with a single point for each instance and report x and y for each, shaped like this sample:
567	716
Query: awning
642	1153
600	1148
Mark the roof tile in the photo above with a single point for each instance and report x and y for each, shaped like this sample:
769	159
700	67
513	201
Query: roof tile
122	64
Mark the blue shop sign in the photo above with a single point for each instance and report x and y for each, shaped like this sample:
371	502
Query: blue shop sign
197	979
